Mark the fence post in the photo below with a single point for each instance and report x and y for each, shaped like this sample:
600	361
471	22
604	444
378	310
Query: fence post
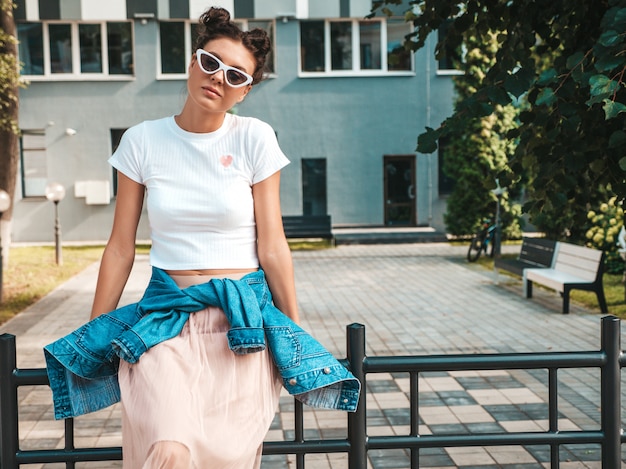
610	392
9	438
357	421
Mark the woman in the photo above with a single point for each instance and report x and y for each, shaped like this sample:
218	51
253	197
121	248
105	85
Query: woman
189	361
212	184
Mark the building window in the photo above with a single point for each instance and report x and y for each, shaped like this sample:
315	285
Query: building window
60	48
314	186
31	48
119	48
341	45
71	50
452	58
172	43
369	43
177	38
116	137
33	163
349	47
90	48
312	46
398	57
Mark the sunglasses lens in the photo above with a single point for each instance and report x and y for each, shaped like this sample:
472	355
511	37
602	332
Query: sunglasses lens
235	78
209	63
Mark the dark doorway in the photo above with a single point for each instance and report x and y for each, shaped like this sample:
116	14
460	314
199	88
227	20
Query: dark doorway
314	201
400	207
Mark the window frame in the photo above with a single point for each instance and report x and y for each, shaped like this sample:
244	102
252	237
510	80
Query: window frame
356	70
77	74
243	24
23	153
441	63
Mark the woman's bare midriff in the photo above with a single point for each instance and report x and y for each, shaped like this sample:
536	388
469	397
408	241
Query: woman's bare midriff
211	272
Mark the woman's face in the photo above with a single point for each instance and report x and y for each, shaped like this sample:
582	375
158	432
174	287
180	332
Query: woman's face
211	91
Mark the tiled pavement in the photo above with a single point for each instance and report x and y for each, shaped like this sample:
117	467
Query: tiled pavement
413	299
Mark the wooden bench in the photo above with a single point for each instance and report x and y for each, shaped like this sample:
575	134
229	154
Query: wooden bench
308	226
535	253
575	268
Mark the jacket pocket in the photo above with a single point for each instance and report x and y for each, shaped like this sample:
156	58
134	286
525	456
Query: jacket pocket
285	347
94	338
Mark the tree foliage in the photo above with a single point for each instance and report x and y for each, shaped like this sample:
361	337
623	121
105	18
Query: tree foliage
604	225
9	85
567	60
474	157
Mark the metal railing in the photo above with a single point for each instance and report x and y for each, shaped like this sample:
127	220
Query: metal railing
357	444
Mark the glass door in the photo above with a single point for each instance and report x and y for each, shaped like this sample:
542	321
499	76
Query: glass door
400	206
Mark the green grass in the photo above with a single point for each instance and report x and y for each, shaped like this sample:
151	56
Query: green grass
614	291
32	272
310	245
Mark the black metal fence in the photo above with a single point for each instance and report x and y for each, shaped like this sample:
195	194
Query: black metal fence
357	444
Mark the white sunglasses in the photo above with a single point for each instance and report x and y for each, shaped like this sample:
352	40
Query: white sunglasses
211	64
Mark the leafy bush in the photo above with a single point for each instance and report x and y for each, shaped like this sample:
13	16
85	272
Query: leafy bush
604	226
479	153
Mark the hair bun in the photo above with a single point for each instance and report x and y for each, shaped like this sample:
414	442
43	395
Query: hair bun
215	16
259	40
216	23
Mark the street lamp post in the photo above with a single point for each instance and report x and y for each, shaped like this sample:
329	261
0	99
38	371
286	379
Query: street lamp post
621	242
5	203
498	192
55	193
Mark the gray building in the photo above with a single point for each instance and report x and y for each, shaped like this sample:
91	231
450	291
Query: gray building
346	110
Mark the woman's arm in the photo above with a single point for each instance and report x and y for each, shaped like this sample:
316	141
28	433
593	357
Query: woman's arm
274	252
119	253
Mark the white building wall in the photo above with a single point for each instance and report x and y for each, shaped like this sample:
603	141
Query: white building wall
112	10
71	9
32	10
360	8
274	8
197	7
324	9
353	122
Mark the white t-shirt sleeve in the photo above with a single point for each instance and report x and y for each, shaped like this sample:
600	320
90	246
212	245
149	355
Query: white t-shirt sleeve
266	155
128	155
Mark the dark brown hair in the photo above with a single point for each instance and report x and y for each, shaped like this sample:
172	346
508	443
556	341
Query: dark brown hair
216	23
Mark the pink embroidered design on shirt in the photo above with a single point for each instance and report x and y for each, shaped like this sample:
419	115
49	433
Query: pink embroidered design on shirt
226	160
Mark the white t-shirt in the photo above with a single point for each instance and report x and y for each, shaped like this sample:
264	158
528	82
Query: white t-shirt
199	188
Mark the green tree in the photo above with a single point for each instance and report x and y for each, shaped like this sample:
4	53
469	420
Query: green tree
478	154
9	84
572	137
604	225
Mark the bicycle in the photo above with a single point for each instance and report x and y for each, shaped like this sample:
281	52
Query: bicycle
483	240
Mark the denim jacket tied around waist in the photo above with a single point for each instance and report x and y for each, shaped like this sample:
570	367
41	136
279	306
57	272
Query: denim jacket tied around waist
82	366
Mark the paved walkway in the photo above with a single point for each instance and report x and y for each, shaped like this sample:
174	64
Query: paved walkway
421	298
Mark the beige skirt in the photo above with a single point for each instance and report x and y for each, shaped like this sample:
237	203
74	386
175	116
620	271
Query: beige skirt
190	402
